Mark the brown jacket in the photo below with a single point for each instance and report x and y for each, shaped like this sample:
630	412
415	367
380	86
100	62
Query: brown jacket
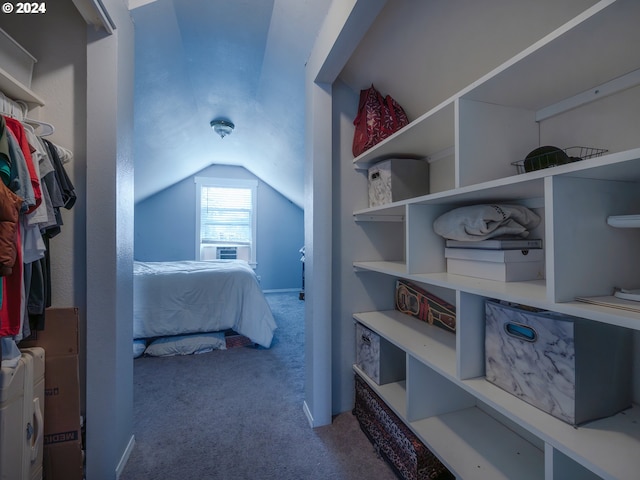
10	204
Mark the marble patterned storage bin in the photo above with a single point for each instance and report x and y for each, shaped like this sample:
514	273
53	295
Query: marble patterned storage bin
381	360
574	369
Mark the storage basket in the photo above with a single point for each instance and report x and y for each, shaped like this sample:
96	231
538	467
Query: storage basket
409	458
574	369
397	179
381	360
555	158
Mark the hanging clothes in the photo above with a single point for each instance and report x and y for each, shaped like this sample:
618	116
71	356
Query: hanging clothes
10	204
68	190
19	132
34	187
11	311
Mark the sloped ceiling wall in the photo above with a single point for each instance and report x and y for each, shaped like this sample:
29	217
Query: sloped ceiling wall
241	60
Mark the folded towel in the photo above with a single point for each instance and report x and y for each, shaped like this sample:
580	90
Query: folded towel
10	353
480	222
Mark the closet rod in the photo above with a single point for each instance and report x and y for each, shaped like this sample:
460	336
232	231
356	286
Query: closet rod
12	108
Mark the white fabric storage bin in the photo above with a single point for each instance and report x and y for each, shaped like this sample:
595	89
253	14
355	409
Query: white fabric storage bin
381	360
500	265
397	179
15	60
574	369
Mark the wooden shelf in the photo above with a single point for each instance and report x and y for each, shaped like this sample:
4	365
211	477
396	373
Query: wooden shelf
468	441
429	135
604	446
549	92
546	73
15	90
394	394
608	447
474	445
532	292
432	345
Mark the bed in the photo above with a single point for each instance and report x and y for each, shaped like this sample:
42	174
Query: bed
190	297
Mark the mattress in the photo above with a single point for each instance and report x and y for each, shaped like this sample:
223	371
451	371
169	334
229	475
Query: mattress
183	297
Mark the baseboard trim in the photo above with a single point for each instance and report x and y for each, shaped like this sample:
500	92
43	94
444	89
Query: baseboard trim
125	457
307	413
282	290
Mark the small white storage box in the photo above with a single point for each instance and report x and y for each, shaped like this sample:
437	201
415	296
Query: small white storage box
15	60
381	360
397	179
574	369
501	265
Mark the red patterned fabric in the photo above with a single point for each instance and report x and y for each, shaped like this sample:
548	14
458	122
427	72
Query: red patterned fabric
378	117
405	453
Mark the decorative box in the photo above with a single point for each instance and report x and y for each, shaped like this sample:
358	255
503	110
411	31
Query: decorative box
417	302
397	444
380	359
15	60
397	179
574	369
500	265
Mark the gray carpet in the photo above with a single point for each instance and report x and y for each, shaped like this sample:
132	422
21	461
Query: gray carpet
237	414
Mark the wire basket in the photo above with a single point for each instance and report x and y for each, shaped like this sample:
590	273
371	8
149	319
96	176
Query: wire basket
555	157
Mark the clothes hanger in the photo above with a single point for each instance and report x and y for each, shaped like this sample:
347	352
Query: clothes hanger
7	107
45	128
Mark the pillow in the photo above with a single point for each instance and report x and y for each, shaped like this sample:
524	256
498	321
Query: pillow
186	344
138	347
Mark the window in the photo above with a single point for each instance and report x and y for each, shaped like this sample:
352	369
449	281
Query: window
226	219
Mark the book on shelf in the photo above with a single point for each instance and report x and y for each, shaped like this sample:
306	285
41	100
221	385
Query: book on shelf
497	243
613	302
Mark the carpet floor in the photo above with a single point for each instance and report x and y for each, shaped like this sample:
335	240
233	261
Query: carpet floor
237	414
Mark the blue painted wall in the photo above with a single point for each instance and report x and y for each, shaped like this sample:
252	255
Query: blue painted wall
165	228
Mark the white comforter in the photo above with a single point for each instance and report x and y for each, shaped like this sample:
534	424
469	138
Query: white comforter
177	298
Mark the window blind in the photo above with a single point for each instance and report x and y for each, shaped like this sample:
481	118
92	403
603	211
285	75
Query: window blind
225	214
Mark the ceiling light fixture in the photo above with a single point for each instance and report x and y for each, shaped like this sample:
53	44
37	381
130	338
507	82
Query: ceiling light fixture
222	127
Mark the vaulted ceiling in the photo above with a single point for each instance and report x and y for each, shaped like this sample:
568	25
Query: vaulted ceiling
240	60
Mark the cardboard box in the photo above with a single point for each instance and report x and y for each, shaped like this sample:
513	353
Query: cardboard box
60	335
63	461
62	429
62	400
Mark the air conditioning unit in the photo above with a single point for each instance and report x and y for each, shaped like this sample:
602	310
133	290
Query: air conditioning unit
226	253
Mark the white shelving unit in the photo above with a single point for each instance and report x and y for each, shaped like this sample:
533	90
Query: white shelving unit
18	64
17	91
577	80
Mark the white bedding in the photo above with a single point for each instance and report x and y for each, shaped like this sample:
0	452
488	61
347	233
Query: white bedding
175	298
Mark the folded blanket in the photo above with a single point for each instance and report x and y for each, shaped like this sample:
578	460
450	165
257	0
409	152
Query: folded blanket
480	222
